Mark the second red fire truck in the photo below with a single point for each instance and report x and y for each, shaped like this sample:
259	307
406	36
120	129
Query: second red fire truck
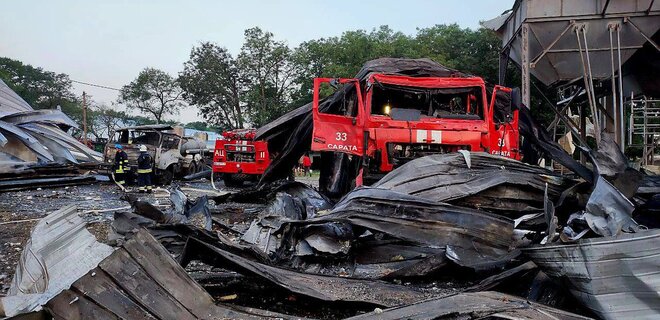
239	158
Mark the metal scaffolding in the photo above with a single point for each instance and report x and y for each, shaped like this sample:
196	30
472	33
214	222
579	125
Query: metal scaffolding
580	44
644	127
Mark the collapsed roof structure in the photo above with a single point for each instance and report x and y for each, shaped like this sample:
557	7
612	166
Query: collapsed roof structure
33	141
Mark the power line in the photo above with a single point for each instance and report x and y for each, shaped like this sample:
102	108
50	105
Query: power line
95	85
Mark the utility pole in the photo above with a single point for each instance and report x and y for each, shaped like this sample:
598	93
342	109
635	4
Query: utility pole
84	107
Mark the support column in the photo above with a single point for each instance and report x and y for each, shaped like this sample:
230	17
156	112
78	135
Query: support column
504	64
525	65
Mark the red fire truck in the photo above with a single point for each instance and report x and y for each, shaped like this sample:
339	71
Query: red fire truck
391	119
238	157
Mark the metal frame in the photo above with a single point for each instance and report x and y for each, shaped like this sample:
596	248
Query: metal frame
645	122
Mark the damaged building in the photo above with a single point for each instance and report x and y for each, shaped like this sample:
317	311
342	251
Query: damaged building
549	230
454	235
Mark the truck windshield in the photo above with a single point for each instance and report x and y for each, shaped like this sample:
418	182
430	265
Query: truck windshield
413	103
136	137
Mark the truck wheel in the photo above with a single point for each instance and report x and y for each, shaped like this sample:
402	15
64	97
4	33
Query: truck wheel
166	176
192	169
232	180
201	166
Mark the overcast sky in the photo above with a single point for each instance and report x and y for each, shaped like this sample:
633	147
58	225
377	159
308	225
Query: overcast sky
109	42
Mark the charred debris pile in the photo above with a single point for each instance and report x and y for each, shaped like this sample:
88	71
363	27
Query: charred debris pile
35	148
464	235
458	236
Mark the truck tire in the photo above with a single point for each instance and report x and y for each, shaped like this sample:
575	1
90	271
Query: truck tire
165	176
192	168
201	166
234	180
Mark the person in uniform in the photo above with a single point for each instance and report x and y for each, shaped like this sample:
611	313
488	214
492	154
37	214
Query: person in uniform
120	166
144	170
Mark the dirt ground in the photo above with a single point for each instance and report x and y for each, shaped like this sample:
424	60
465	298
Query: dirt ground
20	211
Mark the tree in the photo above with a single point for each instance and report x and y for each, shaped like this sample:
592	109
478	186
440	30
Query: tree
344	56
153	92
210	80
106	120
266	68
39	88
475	52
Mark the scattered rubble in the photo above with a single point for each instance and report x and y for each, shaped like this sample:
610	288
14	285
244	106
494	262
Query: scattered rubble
415	244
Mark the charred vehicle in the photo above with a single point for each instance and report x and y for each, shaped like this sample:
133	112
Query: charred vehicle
239	157
174	156
389	120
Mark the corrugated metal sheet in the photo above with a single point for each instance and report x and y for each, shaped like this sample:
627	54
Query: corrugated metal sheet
10	101
615	277
548	20
29	135
60	251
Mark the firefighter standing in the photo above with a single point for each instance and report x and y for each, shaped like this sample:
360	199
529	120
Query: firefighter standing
121	165
144	170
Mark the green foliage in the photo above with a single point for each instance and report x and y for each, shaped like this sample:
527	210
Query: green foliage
268	79
154	93
252	89
41	89
475	52
202	126
210	81
267	74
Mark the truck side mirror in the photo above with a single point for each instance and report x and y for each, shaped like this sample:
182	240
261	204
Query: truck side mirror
516	99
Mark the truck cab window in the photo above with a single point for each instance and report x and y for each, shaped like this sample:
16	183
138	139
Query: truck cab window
450	103
145	137
345	94
121	137
170	141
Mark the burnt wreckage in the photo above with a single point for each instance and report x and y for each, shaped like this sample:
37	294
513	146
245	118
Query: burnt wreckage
457	235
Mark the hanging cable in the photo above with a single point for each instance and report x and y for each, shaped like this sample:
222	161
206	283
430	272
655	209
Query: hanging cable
95	85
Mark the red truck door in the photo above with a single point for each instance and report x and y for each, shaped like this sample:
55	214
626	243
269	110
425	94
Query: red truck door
335	132
504	130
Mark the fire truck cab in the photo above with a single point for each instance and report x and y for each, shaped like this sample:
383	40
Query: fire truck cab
238	157
391	119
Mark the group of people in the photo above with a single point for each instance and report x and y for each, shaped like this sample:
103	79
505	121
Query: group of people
144	168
